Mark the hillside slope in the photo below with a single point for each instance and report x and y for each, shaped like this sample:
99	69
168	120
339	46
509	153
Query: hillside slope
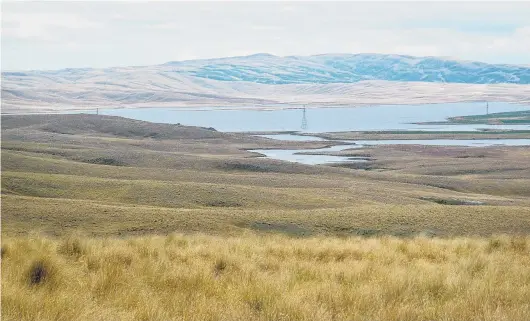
266	80
351	68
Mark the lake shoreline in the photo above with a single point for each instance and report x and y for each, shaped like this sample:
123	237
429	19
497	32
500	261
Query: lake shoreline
504	118
394	135
348	152
271	107
423	135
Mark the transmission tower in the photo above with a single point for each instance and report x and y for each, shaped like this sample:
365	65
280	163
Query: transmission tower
304	120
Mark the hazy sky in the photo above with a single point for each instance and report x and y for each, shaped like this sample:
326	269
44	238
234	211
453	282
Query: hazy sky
52	35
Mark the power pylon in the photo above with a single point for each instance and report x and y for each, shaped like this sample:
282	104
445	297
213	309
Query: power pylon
304	120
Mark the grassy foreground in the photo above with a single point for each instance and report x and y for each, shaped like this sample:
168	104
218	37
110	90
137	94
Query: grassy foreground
183	223
265	277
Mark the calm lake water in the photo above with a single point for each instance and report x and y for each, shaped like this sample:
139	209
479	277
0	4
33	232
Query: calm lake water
381	117
317	120
293	137
294	155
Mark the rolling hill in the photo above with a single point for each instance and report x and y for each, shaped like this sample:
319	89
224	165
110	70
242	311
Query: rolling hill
350	68
267	80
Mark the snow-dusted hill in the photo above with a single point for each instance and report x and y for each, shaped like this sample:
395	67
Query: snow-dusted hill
266	80
349	68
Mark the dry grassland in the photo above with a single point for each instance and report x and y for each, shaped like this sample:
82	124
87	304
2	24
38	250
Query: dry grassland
257	277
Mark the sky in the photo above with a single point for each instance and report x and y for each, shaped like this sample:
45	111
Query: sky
73	34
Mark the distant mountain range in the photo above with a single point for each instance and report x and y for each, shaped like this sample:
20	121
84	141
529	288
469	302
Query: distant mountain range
267	80
350	68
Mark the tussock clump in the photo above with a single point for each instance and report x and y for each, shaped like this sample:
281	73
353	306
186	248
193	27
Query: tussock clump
144	251
220	266
269	265
513	243
93	263
518	244
176	239
182	243
256	304
41	272
494	244
4	252
38	273
120	258
73	246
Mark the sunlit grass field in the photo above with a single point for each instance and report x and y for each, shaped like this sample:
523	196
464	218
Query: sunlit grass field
105	218
265	277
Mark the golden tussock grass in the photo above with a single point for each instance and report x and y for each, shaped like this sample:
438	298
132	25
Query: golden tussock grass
265	277
109	177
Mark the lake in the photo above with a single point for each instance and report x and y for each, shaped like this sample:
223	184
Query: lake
368	118
294	155
317	120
